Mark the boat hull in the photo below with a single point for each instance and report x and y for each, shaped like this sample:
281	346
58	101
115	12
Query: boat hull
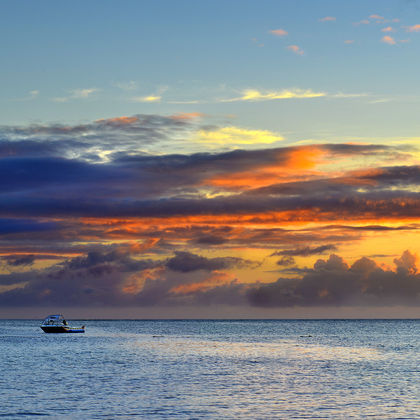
61	329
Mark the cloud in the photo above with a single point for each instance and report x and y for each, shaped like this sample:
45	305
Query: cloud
95	140
388	40
186	115
328	19
296	49
362	22
388	29
349	41
279	32
254	95
83	93
237	136
21	260
32	94
286	261
306	251
185	262
376	17
413	28
334	282
126	86
77	94
150	98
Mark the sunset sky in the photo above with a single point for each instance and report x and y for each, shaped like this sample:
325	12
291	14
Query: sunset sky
210	158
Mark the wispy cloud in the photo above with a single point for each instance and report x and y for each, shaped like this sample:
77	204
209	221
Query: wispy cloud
150	98
154	97
328	19
376	17
186	116
77	94
127	86
413	28
349	41
228	136
296	49
32	94
388	40
279	32
362	22
83	93
388	29
348	95
255	95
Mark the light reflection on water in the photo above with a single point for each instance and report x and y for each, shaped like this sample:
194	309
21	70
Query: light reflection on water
212	369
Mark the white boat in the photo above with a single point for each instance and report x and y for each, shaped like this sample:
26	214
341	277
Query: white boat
57	324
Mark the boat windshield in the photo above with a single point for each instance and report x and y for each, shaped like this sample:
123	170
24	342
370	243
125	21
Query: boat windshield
54	320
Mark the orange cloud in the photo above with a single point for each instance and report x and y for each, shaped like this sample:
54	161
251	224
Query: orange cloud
328	19
296	49
279	32
135	282
186	115
376	17
119	120
298	164
388	40
414	28
388	29
218	278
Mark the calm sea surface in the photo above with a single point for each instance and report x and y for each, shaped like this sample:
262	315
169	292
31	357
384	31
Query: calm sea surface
212	369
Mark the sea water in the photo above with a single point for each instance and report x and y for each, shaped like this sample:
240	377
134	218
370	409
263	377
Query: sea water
204	369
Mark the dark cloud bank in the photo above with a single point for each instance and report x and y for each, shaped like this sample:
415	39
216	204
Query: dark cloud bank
52	176
101	278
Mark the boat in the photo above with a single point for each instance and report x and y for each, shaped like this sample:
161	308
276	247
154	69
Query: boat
57	324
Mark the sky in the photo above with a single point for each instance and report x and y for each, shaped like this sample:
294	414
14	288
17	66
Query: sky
211	159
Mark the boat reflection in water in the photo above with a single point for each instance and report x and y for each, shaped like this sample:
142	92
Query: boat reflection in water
57	324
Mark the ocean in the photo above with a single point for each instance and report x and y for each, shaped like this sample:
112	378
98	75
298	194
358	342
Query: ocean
205	369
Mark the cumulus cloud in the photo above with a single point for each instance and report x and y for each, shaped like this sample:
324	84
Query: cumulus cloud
334	282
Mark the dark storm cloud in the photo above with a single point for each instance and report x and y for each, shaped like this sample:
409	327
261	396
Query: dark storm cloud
96	278
285	261
119	260
104	279
31	148
90	200
130	184
333	282
306	251
23	260
210	240
186	262
15	225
